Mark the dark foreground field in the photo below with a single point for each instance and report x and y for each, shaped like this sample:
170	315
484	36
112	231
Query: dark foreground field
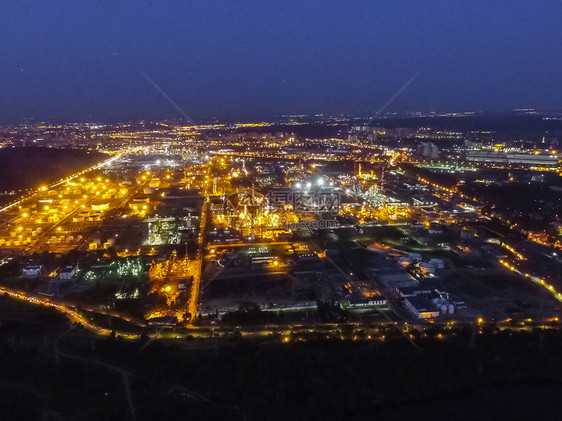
49	372
23	168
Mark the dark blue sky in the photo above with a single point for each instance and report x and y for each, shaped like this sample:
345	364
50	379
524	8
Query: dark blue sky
81	60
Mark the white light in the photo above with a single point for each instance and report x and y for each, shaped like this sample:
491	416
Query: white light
320	181
298	185
309	184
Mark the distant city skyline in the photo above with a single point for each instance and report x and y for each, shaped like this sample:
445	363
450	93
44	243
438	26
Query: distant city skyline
83	61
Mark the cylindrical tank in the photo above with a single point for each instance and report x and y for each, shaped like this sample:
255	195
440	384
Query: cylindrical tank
416	257
435	302
451	309
443	309
439	263
404	261
427	267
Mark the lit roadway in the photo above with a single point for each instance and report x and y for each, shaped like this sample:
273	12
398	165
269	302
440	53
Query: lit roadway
192	306
64	180
261	331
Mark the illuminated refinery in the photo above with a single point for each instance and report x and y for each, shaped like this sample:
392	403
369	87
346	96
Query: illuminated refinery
247	211
212	224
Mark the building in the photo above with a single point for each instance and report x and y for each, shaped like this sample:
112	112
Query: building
391	277
33	270
420	306
428	150
68	272
435	229
515	158
404	292
360	302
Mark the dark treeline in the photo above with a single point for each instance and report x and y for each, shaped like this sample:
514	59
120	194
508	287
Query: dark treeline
29	167
468	376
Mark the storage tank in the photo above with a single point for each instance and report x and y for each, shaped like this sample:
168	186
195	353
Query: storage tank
438	263
451	309
404	261
444	309
416	257
427	268
435	302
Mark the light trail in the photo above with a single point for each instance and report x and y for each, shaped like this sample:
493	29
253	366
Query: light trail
168	98
393	97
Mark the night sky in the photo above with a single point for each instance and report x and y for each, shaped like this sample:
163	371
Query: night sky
82	60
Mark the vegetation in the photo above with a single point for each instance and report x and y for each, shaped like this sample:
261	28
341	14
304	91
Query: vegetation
23	168
486	375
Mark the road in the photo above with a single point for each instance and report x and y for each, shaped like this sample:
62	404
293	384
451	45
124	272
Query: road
283	333
192	306
64	180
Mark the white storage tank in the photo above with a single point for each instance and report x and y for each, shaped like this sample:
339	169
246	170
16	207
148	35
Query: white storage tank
451	309
444	309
